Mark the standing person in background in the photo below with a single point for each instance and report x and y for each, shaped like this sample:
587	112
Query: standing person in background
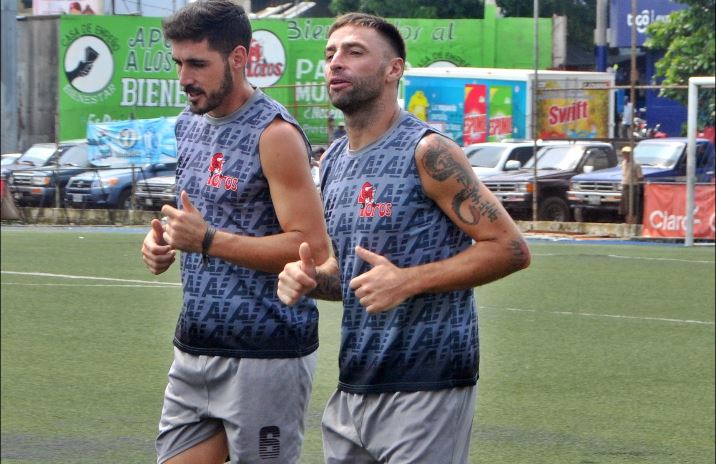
339	132
627	118
243	362
631	187
413	232
317	155
316	164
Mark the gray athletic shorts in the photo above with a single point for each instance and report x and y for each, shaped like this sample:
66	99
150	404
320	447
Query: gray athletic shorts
259	403
426	427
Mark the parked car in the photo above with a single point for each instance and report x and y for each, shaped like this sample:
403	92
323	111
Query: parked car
39	155
491	158
556	164
151	194
111	186
38	186
9	158
662	160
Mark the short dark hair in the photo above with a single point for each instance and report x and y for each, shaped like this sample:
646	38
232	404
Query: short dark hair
223	23
383	27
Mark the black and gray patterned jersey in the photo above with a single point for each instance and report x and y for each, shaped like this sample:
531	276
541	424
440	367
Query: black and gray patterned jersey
230	310
374	198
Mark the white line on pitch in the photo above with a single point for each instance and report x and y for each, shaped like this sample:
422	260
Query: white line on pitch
631	257
89	285
660	259
613	316
110	279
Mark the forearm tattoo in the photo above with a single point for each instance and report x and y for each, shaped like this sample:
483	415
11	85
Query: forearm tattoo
520	254
328	288
468	204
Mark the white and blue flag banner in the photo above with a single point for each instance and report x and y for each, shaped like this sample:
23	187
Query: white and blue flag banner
136	141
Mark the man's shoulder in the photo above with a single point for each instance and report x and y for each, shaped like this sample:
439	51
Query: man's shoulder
186	114
433	140
280	110
270	101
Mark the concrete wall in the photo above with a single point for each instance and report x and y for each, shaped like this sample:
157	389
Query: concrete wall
85	217
36	85
90	217
8	57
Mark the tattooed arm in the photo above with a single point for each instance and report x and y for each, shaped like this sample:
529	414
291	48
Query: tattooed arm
303	277
328	282
498	249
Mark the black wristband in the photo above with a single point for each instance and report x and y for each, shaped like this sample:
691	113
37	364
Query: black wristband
206	243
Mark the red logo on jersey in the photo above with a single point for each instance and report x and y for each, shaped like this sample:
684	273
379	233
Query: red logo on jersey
216	177
366	196
217	163
368	206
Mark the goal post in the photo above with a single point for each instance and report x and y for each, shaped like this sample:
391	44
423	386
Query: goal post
695	83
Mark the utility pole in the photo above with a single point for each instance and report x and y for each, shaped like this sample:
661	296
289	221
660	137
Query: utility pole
600	38
634	75
9	77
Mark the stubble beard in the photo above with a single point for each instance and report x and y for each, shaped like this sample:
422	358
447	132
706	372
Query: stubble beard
364	92
214	99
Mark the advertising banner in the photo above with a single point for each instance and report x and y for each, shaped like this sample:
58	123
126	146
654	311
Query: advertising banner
469	110
500	112
302	89
52	7
665	211
138	141
475	114
573	109
116	68
440	103
647	12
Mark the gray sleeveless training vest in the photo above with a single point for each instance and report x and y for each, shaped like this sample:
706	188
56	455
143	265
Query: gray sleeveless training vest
374	198
229	310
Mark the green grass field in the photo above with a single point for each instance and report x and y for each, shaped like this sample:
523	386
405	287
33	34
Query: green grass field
595	354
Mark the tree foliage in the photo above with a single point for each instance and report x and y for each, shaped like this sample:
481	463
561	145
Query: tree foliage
687	40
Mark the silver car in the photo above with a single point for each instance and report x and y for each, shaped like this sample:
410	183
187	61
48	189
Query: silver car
151	194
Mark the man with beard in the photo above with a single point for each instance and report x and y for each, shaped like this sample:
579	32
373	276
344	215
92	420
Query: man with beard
413	232
243	362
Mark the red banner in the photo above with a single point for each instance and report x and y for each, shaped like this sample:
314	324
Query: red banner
475	114
665	211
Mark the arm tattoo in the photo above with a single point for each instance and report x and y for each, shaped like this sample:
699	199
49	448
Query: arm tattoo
520	254
328	288
441	166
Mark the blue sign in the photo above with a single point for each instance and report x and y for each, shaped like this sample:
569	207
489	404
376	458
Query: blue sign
647	12
137	141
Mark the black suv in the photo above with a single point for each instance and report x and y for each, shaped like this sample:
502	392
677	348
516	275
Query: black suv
38	186
555	167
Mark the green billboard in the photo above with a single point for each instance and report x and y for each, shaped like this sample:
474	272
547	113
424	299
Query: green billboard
113	68
120	67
